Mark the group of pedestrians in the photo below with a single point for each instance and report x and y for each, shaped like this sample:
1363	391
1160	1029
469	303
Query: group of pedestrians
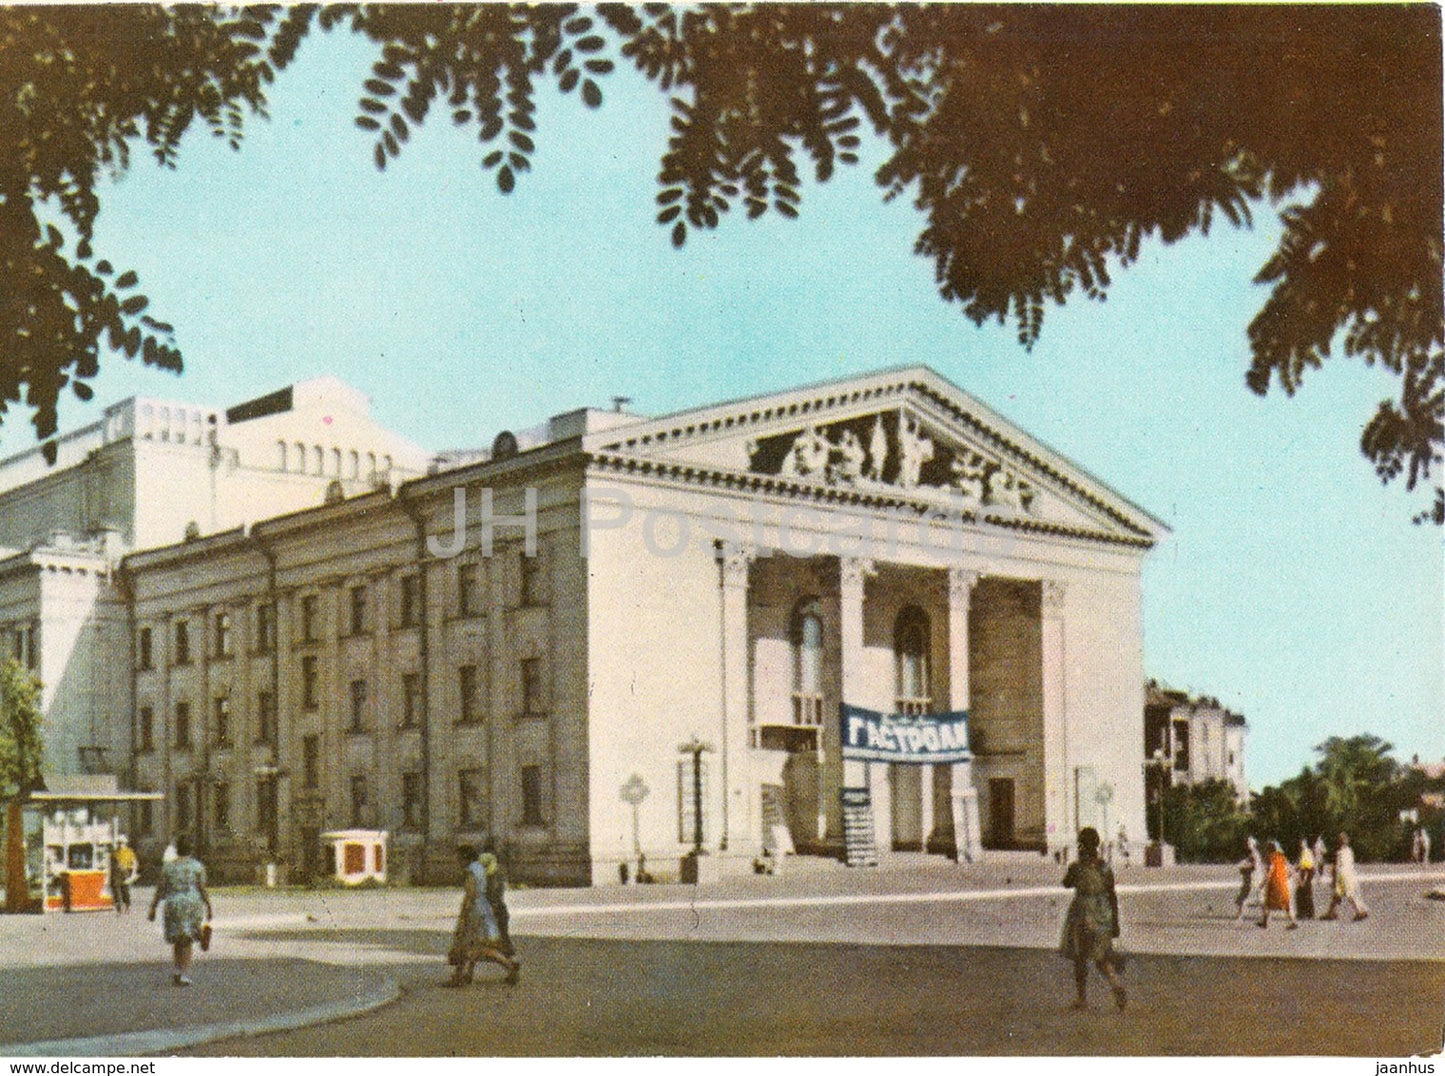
481	932
1267	878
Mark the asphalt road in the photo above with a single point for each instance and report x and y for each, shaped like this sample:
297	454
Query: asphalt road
610	998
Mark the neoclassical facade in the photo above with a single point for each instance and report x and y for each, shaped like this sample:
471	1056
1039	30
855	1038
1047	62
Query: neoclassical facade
614	637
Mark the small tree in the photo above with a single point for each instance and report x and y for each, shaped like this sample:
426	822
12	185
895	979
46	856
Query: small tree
21	748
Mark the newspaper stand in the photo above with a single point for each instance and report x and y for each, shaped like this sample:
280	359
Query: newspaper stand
59	848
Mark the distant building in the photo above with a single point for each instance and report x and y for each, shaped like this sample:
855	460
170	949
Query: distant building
1194	738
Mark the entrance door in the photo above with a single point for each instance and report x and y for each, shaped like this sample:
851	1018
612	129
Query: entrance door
906	783
1001	812
801	775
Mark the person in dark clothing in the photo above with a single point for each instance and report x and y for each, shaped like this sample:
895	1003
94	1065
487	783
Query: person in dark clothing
1092	922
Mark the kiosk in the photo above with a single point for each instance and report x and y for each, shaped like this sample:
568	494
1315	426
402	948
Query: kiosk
359	854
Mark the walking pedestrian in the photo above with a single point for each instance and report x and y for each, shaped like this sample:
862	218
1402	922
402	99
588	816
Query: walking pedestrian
1124	844
1092	922
1347	882
124	867
1250	868
1424	847
183	888
1304	903
477	935
1322	856
1276	888
497	898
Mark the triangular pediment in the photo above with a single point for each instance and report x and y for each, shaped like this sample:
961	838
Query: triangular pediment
906	434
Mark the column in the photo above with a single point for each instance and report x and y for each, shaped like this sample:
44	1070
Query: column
963	797
853	573
1058	821
741	821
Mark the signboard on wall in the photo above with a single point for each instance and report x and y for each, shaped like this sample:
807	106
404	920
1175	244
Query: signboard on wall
917	739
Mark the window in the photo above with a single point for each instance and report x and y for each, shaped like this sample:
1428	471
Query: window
472	799
183	807
1181	745
23	646
266	807
265	717
358	800
310	761
310	617
533	581
222	707
358	610
413	795
532	796
147	729
469	711
358	706
145	656
223	635
183	724
265	628
308	682
183	642
910	650
145	821
807	635
533	689
223	807
469	597
410	700
410	600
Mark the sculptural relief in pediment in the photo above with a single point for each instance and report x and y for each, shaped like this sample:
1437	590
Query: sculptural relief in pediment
893	450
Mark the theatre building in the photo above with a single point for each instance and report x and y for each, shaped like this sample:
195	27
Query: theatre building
615	635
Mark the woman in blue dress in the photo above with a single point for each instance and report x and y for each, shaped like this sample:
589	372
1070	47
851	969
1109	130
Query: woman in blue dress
188	908
477	935
1092	923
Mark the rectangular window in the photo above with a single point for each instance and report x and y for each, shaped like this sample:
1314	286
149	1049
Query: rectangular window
472	799
145	820
146	732
534	700
183	807
223	635
222	708
410	601
266	807
358	610
308	682
265	628
183	642
310	761
413	795
310	618
183	724
145	655
265	717
533	581
223	807
469	597
469	711
358	706
532	796
358	800
410	700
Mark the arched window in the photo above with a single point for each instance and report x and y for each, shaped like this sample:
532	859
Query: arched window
910	650
807	633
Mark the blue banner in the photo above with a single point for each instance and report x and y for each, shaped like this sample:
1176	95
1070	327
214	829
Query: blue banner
920	739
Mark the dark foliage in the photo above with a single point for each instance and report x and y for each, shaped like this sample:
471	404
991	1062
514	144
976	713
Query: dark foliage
1041	145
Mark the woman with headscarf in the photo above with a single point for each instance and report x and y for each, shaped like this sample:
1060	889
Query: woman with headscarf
1304	899
183	888
477	935
1092	922
1276	887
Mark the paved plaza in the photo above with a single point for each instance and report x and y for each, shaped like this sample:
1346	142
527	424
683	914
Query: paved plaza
917	958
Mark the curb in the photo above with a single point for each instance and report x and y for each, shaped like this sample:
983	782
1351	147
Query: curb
140	1043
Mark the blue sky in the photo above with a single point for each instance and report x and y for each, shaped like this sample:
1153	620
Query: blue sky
1294	587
